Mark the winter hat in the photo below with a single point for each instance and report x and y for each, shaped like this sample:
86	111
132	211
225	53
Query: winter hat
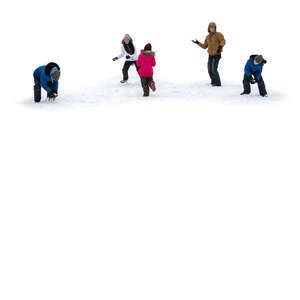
148	47
55	73
259	59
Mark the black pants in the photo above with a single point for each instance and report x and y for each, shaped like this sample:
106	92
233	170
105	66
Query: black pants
145	84
261	86
37	90
126	67
212	66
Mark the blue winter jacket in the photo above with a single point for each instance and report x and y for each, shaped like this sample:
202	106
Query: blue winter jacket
252	69
44	77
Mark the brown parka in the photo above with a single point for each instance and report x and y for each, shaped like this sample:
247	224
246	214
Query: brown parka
213	41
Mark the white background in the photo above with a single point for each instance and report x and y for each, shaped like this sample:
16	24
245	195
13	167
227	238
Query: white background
148	199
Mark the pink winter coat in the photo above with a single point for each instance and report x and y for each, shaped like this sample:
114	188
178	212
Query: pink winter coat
146	62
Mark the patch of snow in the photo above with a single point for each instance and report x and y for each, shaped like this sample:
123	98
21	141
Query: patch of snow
113	92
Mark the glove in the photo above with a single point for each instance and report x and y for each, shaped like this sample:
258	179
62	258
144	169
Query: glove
52	95
127	56
195	42
219	50
115	58
251	79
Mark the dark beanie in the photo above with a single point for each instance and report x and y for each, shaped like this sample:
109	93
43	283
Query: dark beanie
148	47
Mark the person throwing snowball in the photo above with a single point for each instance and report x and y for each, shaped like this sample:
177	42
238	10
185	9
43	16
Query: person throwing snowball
129	51
214	43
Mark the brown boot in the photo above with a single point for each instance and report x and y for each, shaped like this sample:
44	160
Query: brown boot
152	86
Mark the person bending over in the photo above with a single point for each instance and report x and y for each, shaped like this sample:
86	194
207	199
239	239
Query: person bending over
46	77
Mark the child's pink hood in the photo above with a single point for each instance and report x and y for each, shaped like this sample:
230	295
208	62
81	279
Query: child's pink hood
146	64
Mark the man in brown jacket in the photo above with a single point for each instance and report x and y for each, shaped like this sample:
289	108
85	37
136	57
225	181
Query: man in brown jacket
214	44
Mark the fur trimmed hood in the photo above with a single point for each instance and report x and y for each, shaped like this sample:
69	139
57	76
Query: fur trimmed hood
126	37
129	48
212	24
148	53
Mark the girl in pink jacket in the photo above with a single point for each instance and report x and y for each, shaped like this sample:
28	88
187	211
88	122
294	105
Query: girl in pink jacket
146	62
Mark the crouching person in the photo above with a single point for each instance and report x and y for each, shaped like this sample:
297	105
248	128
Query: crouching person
46	77
146	62
253	71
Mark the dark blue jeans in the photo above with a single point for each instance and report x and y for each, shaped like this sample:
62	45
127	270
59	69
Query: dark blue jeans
37	89
212	66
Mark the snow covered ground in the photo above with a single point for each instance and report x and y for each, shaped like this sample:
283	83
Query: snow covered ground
113	92
192	193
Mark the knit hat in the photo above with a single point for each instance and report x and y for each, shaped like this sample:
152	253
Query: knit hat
259	59
55	73
148	47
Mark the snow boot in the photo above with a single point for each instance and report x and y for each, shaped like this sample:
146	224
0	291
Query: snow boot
244	93
152	86
123	81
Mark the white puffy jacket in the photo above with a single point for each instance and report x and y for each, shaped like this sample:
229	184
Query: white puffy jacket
133	57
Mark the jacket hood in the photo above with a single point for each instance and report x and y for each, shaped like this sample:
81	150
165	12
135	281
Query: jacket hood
212	24
129	48
128	37
50	66
148	53
254	55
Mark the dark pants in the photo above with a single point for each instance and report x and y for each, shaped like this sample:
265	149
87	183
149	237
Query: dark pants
126	67
145	84
212	66
37	89
261	86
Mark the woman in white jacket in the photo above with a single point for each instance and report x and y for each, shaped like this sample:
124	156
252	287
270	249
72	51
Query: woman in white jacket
129	51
